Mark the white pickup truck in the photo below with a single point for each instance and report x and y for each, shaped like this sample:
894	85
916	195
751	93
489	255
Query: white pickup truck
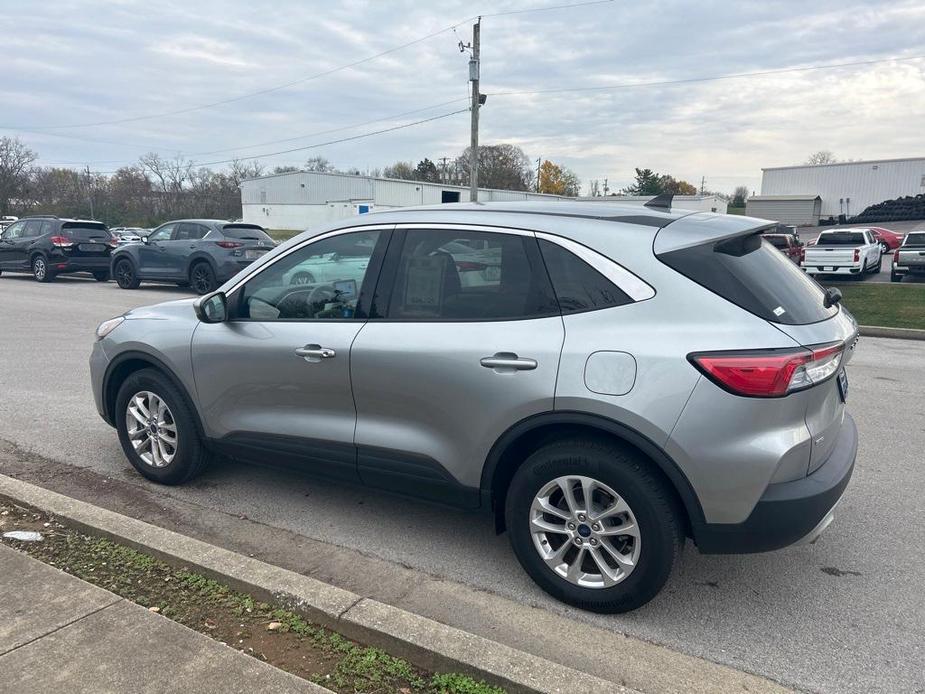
909	258
843	252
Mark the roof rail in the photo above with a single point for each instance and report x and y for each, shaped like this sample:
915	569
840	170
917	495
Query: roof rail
41	216
661	201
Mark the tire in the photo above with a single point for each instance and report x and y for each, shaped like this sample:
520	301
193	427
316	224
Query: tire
40	270
125	274
302	278
651	505
101	276
884	248
895	278
202	278
189	456
878	267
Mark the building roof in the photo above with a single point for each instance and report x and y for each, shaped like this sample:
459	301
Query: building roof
783	198
841	163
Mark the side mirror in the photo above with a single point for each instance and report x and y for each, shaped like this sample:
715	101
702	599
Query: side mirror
832	297
212	308
144	239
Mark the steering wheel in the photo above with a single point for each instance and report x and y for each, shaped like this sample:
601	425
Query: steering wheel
321	294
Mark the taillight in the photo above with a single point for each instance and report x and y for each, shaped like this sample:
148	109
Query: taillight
61	241
229	244
896	256
769	374
469	266
802	255
857	255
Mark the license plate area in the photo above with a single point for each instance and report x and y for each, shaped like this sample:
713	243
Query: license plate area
92	247
843	385
253	254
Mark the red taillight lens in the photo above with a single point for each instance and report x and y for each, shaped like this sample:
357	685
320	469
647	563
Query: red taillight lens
802	255
229	244
61	241
896	256
771	374
469	266
857	255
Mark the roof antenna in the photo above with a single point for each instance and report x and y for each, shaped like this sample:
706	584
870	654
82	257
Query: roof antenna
662	201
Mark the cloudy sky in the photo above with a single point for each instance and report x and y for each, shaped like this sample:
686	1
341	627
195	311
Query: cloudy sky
90	63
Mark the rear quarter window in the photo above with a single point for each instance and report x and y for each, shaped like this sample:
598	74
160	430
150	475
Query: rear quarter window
752	274
578	286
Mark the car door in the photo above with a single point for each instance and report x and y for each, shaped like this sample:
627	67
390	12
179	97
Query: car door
184	241
274	380
463	349
10	243
152	255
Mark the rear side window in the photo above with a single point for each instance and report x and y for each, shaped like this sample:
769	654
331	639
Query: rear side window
190	232
837	238
755	276
243	233
470	276
578	286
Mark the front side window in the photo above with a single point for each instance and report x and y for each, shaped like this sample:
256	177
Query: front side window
14	231
470	275
578	286
322	280
163	233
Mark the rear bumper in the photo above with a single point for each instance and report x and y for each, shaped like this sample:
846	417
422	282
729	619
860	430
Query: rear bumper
790	511
60	264
836	269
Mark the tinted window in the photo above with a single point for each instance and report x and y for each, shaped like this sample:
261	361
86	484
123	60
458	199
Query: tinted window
755	276
460	275
33	228
839	238
321	280
578	286
85	231
190	232
915	239
777	241
243	233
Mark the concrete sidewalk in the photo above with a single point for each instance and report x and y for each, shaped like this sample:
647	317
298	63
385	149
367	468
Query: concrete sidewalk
59	633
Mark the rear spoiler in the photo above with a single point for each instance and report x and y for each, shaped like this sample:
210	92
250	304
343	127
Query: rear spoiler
706	227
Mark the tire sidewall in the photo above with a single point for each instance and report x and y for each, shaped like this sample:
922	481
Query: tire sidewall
658	525
188	442
202	265
119	280
47	276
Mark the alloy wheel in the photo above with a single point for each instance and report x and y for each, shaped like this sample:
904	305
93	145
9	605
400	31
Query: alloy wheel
202	279
124	274
585	531
39	269
151	429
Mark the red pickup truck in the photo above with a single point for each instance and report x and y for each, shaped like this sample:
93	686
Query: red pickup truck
787	245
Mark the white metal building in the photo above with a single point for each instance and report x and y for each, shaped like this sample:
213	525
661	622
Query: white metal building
801	210
304	199
848	187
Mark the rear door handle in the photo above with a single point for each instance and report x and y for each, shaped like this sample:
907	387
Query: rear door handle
507	361
315	353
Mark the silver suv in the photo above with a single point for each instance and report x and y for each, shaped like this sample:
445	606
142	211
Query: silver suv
606	379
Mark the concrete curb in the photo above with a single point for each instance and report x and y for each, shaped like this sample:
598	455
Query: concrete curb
422	641
897	333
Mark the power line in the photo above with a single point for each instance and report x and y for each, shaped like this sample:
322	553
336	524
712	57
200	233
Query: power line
741	75
323	144
301	80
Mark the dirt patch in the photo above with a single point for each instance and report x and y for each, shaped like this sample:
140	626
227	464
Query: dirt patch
261	630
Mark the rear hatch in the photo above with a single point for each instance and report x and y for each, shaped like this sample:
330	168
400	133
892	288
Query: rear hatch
737	264
90	239
254	241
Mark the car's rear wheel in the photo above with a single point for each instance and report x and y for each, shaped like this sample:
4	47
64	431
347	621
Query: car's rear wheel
895	278
884	247
126	277
101	276
878	267
40	270
157	429
202	278
593	525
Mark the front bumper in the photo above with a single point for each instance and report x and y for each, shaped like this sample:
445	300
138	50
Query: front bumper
98	364
790	511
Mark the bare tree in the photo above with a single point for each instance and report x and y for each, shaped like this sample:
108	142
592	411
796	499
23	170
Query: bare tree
501	166
319	163
823	156
594	188
242	170
15	160
400	169
739	196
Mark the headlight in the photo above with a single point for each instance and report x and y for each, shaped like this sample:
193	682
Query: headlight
108	326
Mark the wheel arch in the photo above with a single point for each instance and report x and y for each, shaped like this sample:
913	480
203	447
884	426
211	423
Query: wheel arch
200	257
127	363
519	441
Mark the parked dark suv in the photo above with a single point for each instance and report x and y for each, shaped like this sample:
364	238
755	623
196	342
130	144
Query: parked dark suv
48	246
201	253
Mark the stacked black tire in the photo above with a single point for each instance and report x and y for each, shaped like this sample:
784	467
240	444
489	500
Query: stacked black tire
901	209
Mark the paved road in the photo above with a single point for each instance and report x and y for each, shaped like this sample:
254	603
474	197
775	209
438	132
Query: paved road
844	615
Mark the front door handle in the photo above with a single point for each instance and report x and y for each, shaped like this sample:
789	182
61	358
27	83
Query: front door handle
315	353
504	362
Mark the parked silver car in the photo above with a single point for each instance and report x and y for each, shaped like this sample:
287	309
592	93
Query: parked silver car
625	378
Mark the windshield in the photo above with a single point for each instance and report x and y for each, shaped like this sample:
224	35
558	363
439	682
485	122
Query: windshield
841	238
916	238
755	276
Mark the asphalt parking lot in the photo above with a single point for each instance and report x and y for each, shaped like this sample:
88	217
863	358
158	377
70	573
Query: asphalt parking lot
844	615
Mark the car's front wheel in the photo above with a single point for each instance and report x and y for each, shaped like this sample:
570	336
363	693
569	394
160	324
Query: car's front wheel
157	429
593	525
126	277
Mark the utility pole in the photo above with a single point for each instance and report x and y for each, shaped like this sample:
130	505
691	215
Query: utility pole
606	189
443	169
90	191
476	102
703	182
538	164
